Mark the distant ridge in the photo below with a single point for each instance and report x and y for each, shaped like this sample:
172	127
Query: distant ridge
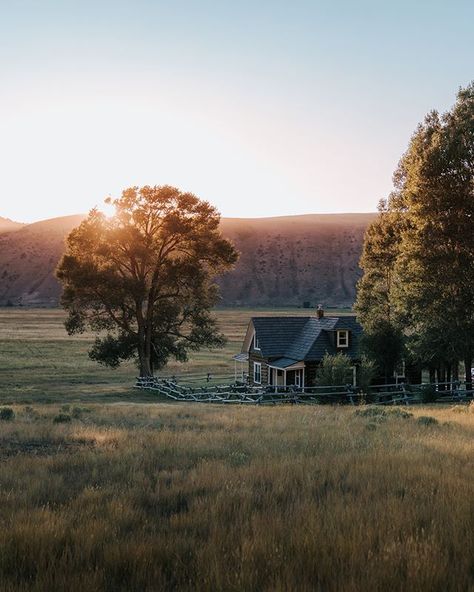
7	225
285	260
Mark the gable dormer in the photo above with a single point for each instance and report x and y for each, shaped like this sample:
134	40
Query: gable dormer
251	339
342	338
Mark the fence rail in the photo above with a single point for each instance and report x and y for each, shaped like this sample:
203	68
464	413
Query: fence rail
387	394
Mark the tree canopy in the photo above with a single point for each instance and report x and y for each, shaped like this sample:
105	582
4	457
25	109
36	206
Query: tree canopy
418	258
143	279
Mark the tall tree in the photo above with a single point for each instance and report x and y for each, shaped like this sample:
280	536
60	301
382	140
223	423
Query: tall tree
418	258
383	339
143	280
435	269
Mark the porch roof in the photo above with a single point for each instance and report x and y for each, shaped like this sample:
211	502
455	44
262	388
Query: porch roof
284	363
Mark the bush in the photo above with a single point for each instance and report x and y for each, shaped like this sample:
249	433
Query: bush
401	414
78	411
335	370
371	412
366	374
7	414
426	420
428	393
378	413
62	418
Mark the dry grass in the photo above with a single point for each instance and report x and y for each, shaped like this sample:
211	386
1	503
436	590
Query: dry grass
134	494
203	498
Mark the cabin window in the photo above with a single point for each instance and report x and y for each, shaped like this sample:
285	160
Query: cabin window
257	372
343	339
255	342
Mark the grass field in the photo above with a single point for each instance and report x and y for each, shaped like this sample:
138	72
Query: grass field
39	361
106	488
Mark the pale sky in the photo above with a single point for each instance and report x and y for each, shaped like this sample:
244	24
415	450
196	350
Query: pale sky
261	107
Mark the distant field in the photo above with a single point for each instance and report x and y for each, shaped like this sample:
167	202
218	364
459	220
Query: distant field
39	359
103	488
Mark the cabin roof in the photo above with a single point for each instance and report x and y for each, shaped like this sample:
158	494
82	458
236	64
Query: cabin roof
303	338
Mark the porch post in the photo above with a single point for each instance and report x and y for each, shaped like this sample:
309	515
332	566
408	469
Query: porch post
303	384
284	377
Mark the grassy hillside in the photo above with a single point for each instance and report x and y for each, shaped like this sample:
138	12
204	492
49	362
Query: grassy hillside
284	261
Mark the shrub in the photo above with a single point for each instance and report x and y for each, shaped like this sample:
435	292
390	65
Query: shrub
426	420
366	374
335	370
428	393
371	412
62	418
7	414
78	411
400	413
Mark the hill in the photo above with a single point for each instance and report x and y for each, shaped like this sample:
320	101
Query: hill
7	225
284	260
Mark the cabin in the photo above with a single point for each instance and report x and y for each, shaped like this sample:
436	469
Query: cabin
286	351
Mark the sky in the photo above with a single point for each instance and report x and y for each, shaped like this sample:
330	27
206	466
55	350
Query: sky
263	108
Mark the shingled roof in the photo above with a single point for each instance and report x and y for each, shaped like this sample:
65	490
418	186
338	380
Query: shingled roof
303	338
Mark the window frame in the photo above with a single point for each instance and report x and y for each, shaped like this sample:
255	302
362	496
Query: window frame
255	342
339	334
298	377
259	366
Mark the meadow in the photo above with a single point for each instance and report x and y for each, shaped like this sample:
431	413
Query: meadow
103	487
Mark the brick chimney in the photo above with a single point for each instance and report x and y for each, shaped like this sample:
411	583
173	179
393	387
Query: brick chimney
320	311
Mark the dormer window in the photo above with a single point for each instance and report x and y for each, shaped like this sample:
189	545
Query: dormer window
343	338
255	342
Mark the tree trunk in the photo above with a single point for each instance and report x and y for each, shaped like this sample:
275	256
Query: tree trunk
456	370
467	369
144	342
432	375
441	378
145	369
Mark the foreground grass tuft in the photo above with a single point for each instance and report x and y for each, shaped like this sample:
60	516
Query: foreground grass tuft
201	498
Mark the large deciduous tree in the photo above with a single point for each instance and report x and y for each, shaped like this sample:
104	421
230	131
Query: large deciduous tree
143	279
430	293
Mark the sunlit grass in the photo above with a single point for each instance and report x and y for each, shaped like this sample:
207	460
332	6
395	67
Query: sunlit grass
197	497
103	487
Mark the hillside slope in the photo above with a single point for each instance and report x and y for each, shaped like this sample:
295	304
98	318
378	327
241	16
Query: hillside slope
7	225
284	260
28	258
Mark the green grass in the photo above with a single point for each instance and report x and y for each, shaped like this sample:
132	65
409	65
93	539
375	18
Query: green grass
105	488
40	362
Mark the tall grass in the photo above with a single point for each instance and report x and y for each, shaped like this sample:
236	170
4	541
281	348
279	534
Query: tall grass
202	498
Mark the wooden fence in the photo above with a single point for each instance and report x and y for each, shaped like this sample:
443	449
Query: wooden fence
387	394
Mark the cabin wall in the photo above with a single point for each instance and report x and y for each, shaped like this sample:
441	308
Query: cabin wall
256	356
